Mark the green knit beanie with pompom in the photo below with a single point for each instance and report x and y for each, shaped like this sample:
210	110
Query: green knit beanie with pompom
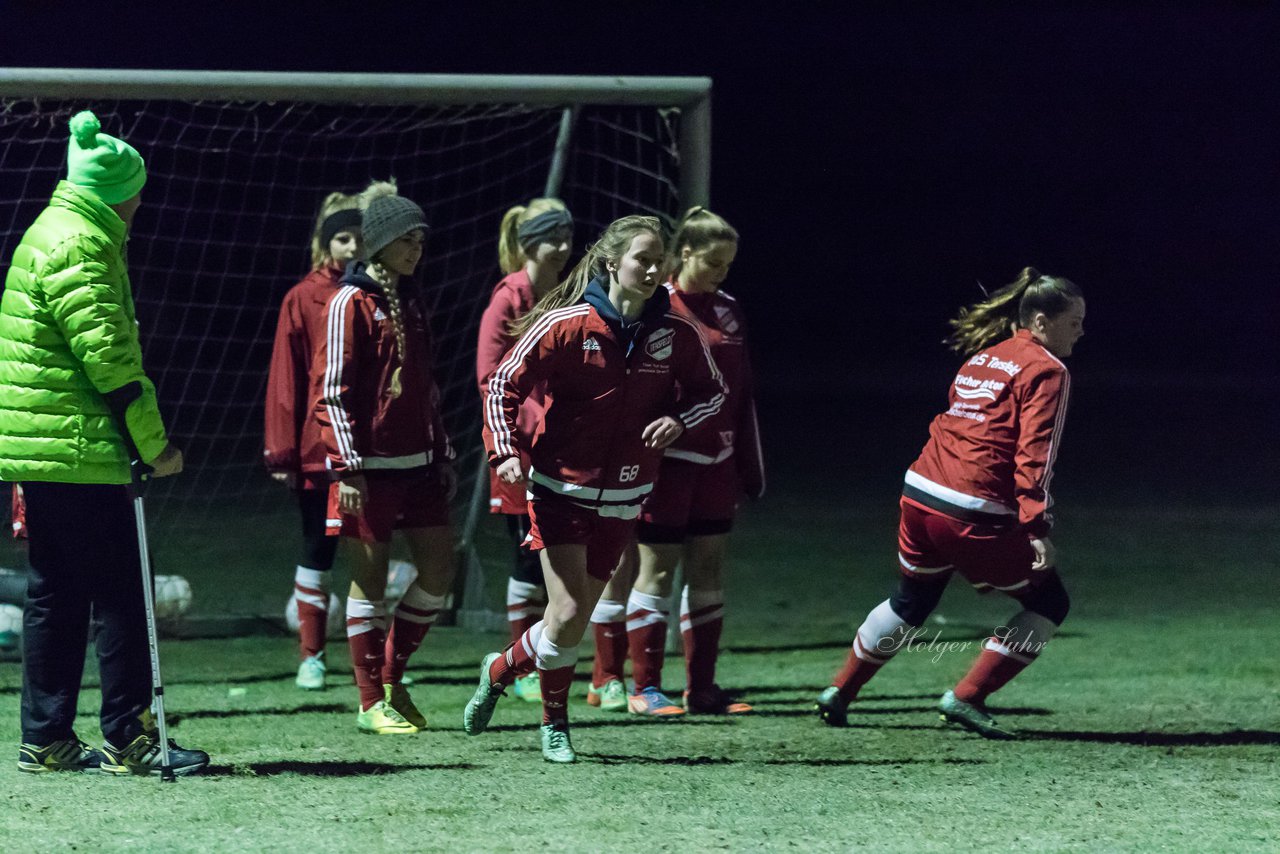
110	168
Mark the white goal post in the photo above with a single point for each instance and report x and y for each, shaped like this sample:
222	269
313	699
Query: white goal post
238	163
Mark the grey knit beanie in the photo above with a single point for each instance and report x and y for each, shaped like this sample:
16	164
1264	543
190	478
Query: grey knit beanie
387	218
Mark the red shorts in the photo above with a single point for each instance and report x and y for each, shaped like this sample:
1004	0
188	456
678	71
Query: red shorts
556	522
397	499
933	545
687	493
508	498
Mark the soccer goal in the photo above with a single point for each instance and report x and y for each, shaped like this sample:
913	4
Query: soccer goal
238	163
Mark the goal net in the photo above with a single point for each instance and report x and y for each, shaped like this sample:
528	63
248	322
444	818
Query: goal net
237	166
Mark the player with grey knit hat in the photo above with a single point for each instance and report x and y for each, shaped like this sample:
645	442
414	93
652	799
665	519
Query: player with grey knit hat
385	216
389	455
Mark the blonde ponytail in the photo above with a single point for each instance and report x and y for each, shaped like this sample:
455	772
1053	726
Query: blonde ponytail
511	255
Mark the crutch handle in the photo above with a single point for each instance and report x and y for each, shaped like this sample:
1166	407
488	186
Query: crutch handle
118	402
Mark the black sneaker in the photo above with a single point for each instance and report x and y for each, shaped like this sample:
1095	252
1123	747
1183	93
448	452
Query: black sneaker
831	709
68	754
142	756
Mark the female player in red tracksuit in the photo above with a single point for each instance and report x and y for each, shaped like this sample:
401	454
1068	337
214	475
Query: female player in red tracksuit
533	246
610	351
688	516
379	414
294	452
977	500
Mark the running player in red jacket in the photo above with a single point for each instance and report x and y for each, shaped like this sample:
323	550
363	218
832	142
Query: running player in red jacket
977	501
533	246
687	518
294	452
389	455
610	351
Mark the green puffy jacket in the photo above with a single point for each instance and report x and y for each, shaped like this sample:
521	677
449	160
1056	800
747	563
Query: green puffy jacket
67	338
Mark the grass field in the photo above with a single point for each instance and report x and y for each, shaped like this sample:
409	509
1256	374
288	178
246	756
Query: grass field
1151	723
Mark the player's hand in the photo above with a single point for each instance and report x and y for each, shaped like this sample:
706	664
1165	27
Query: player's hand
353	494
509	470
1046	555
448	478
662	432
288	478
168	462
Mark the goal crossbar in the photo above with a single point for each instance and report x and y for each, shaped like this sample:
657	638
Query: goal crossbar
364	88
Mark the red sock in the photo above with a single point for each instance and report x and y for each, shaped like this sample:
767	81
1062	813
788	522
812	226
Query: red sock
311	593
366	636
609	625
878	639
646	638
858	669
414	617
995	666
525	604
555	693
701	619
517	659
611	653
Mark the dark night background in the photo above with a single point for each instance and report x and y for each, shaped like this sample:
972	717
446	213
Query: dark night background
881	162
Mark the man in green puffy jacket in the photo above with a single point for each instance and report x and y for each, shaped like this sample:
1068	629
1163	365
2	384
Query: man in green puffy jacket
70	372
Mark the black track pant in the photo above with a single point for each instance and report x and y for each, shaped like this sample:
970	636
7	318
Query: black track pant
83	555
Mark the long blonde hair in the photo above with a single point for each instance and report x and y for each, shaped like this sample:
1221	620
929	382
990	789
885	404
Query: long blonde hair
332	203
698	229
611	246
995	318
376	272
511	256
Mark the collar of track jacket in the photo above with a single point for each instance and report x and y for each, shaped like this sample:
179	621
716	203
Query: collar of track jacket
597	296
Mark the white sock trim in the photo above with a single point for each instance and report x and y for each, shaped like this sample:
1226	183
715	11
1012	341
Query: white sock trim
609	611
364	615
1024	638
312	579
552	657
881	634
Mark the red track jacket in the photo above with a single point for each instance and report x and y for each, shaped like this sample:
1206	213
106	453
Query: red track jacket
362	425
292	436
734	430
604	385
990	456
512	299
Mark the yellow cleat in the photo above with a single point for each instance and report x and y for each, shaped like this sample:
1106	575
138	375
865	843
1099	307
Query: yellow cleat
382	719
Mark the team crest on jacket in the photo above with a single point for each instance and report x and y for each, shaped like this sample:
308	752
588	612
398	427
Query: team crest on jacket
659	344
728	322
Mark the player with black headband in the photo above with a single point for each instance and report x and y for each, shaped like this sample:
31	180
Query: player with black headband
294	452
534	242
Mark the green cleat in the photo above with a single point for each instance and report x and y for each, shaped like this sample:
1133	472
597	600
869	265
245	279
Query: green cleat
475	718
311	673
556	746
381	719
398	698
609	697
831	708
68	754
528	688
972	717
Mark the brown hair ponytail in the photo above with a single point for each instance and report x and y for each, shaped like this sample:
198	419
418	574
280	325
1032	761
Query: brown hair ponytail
698	229
982	324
